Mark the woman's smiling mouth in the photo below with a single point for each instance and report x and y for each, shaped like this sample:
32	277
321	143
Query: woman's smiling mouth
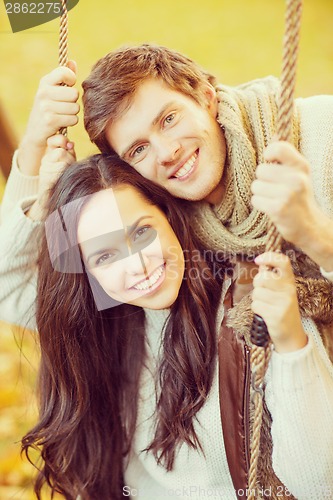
152	282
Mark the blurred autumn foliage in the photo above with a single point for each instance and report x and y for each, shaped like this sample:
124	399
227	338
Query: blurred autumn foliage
18	411
18	361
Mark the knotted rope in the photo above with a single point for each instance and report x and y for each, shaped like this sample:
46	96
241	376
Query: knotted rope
63	33
260	354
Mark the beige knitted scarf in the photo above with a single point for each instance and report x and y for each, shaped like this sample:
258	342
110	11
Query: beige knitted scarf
247	114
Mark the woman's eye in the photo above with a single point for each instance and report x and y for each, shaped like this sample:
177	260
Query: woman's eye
169	119
106	257
140	232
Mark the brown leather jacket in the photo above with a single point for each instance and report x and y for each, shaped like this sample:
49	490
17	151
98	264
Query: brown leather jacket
234	381
235	403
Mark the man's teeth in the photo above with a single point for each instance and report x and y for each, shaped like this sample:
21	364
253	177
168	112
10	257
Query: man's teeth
187	167
144	285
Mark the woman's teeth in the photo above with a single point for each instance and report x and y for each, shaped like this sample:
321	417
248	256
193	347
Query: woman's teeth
148	283
187	167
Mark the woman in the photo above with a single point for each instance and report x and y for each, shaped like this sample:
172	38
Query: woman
92	357
126	312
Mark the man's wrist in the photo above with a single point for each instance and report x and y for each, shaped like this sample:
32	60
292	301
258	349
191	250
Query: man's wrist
29	156
291	344
319	245
36	211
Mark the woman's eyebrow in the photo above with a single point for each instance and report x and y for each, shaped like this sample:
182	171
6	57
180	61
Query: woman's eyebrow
131	228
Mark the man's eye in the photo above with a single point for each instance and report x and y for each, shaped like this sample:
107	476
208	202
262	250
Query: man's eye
103	259
169	119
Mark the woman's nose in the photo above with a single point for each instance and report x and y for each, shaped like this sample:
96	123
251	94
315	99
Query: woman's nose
136	263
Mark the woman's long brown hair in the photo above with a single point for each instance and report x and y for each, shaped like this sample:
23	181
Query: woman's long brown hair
91	360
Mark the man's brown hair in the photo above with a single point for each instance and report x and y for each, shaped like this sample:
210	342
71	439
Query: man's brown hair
114	79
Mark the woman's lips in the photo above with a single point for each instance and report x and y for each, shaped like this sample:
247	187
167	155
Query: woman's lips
152	282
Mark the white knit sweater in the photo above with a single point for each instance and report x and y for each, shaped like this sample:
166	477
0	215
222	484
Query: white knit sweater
299	395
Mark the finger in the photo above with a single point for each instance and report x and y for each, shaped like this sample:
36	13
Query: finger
72	151
56	141
277	285
60	75
70	146
269	189
264	295
72	66
264	309
271	280
61	108
274	260
282	174
54	163
55	122
59	141
268	206
275	274
285	153
63	94
57	155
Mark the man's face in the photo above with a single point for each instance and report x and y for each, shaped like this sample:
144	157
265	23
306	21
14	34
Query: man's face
171	139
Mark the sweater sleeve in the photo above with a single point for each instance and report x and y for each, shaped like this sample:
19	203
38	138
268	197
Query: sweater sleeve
327	275
18	187
299	396
18	268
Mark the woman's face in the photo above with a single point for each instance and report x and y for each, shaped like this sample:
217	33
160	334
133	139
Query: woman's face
130	248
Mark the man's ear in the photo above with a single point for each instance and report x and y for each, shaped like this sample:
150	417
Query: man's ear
210	97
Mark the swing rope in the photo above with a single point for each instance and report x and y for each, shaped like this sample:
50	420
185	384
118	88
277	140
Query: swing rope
260	354
63	33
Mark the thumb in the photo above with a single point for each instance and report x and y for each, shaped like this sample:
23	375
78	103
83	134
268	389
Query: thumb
71	149
72	65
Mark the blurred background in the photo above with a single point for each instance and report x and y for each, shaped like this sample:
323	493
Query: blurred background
236	40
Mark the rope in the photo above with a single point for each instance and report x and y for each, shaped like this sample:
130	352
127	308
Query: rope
63	33
260	356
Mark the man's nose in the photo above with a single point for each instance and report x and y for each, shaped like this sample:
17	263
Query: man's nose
167	151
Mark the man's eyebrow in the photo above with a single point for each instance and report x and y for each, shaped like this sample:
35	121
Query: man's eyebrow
130	230
153	123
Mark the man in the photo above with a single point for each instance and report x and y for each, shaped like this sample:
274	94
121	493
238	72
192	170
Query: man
170	121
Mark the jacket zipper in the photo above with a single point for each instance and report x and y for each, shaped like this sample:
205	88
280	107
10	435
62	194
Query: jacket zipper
247	405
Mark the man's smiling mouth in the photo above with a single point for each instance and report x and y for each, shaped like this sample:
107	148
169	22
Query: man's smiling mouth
186	168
